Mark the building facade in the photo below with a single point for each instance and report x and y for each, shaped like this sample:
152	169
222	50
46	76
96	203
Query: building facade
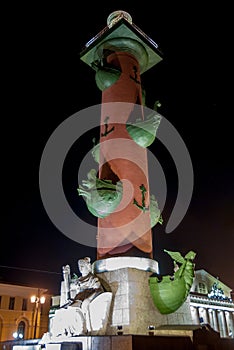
23	312
211	303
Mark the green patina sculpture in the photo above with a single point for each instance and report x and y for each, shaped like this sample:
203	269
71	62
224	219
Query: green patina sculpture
143	132
170	292
155	213
106	76
96	151
102	196
107	129
142	204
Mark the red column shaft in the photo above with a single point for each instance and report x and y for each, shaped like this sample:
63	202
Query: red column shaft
127	230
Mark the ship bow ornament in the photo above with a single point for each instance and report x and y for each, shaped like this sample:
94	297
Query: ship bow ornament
170	292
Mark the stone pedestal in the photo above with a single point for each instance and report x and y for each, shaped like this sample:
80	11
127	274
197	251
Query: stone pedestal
182	316
132	305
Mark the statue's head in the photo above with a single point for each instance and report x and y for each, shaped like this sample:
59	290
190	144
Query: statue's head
84	265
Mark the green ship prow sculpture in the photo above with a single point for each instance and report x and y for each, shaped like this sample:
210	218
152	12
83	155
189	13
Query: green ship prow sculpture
102	196
170	292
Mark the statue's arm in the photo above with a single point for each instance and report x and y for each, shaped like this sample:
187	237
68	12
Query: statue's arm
67	280
95	283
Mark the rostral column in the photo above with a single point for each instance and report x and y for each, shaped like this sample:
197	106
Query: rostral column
119	54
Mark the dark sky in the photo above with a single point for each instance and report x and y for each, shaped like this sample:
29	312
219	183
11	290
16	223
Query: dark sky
44	82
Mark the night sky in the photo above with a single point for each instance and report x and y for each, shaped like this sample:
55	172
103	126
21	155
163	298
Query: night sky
44	82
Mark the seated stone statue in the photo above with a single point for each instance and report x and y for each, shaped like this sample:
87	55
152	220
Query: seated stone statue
75	315
87	286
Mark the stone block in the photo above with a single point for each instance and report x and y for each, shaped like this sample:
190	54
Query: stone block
121	342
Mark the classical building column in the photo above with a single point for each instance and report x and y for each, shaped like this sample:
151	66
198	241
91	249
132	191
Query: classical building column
215	319
231	323
197	317
220	322
224	325
211	318
205	315
201	312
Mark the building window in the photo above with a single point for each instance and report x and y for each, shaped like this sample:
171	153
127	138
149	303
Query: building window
21	329
202	288
24	305
11	303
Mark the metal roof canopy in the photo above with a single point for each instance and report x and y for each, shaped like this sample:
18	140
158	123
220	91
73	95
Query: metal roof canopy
122	36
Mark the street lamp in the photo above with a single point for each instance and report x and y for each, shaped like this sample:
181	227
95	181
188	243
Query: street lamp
37	301
17	335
